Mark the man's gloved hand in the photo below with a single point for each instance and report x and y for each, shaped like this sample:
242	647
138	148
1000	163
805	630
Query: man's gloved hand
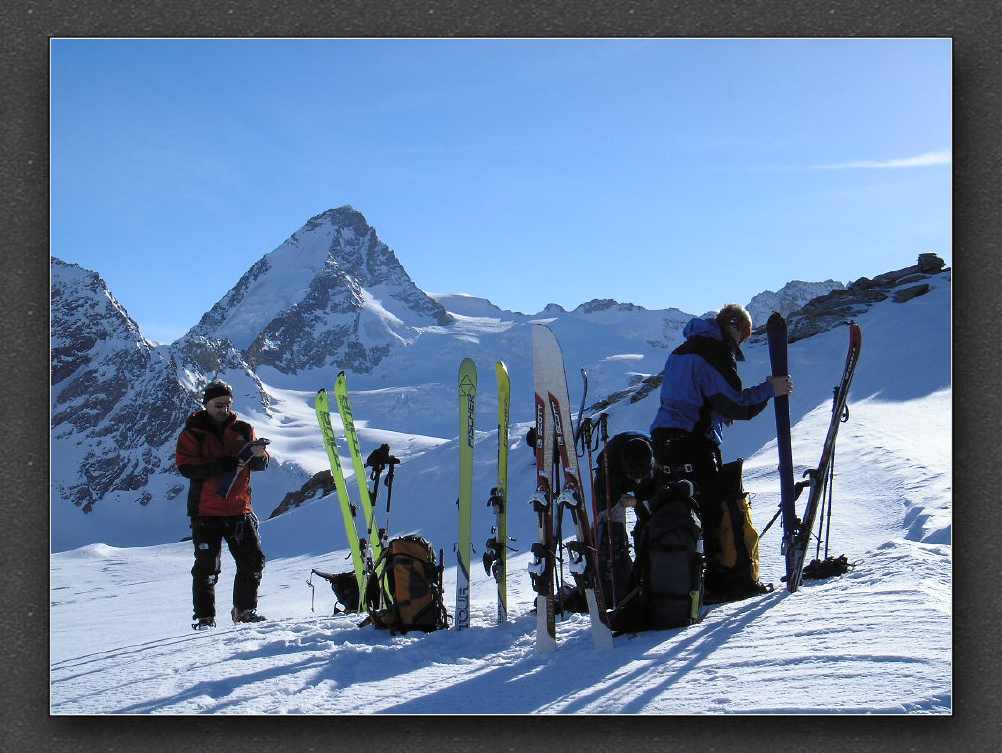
254	449
227	465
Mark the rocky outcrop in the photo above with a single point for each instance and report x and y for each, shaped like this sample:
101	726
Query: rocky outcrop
320	485
913	292
789	298
838	306
604	304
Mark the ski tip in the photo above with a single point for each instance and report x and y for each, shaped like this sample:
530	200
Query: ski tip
775	319
467	374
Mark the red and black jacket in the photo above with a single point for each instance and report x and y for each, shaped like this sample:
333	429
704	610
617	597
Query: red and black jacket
207	455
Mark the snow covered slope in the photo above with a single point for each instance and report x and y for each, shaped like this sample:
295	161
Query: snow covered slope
877	640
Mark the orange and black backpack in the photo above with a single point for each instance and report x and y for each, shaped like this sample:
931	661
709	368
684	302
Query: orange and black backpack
408	596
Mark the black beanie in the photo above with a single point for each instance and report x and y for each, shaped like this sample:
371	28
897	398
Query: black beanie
216	389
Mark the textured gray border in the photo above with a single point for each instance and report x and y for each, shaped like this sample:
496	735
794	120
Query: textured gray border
26	28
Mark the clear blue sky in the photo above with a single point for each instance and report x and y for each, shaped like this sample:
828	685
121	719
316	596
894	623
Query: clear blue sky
684	173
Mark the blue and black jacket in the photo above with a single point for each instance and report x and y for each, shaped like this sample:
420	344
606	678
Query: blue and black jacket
700	388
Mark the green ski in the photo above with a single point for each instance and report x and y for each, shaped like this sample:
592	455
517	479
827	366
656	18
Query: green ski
467	409
347	510
344	408
496	548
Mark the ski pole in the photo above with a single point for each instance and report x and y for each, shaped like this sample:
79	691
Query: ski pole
377	460
586	438
831	483
389	492
844	418
603	432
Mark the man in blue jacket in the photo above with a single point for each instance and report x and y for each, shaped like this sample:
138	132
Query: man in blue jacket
701	392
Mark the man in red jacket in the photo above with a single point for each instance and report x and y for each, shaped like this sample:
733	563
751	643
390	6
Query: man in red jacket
217	453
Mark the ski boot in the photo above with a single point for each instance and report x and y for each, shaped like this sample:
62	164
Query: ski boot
246	615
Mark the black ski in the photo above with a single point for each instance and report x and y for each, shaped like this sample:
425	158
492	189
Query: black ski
776	331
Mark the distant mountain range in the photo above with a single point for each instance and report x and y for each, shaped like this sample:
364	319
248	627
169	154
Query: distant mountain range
332	297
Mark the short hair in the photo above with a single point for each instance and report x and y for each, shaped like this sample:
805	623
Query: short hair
637	456
736	314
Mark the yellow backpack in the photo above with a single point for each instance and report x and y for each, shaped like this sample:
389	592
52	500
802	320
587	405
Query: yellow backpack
732	570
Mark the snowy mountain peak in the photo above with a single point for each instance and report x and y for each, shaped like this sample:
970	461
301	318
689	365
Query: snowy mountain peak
332	291
84	312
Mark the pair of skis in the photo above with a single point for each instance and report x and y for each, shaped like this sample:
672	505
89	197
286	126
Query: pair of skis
363	553
554	434
496	549
797	531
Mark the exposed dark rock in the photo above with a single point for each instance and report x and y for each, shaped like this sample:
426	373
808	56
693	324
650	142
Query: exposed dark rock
910	278
635	392
322	482
908	293
930	263
603	304
831	310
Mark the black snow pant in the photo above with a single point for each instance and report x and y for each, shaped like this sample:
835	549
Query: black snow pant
244	541
674	449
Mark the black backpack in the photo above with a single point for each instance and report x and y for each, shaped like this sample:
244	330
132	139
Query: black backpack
345	588
666	583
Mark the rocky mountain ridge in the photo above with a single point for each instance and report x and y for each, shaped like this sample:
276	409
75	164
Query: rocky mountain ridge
791	297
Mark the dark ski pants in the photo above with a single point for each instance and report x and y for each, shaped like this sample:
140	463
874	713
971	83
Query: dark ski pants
244	541
674	448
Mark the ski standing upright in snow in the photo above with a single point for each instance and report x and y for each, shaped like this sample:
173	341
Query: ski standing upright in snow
357	544
351	437
541	567
467	412
548	362
776	333
496	548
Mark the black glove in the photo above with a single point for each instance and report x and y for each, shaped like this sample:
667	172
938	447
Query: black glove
226	465
206	470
